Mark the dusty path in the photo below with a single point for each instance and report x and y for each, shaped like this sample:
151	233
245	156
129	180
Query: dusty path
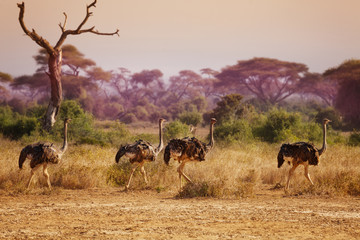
114	214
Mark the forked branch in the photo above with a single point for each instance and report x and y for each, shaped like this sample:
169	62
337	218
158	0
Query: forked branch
63	26
32	34
79	29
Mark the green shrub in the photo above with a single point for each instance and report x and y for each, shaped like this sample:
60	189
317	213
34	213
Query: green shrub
71	109
22	126
14	126
36	111
228	108
354	139
279	126
311	132
332	114
239	130
6	117
176	129
82	128
188	118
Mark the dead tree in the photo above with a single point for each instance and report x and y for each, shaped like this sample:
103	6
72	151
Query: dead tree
55	58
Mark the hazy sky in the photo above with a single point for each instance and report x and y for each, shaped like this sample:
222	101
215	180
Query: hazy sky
174	35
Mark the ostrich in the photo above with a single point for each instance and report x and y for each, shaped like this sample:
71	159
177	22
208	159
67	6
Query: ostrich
302	153
192	129
188	149
43	153
140	152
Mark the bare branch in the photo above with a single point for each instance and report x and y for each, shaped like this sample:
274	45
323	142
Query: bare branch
64	25
33	35
93	4
99	33
79	29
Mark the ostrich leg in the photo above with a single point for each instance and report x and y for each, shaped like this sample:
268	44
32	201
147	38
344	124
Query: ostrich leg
132	172
307	175
181	173
291	172
46	174
142	170
32	172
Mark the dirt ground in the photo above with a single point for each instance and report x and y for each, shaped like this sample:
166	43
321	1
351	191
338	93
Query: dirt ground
114	214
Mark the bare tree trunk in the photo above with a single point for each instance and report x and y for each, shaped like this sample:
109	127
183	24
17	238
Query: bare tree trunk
55	57
54	64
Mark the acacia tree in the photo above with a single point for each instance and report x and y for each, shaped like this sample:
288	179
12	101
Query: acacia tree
347	101
206	84
55	57
32	87
323	87
4	78
228	108
152	84
183	85
270	80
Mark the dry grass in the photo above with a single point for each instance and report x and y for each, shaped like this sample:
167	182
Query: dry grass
236	171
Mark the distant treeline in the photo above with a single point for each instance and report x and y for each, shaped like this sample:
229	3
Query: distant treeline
263	83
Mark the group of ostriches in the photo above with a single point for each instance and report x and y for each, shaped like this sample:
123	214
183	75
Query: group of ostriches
183	150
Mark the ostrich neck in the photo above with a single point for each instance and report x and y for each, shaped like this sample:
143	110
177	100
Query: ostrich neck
161	143
65	144
323	149
211	143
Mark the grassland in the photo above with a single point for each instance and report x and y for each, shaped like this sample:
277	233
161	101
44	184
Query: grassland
239	170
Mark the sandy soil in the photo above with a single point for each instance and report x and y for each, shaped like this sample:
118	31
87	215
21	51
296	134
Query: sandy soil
115	214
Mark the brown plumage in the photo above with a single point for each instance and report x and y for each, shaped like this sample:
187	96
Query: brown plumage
188	149
140	152
301	153
41	154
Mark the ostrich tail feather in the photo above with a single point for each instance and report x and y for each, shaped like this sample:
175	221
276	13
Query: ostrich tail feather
120	153
22	157
167	155
280	157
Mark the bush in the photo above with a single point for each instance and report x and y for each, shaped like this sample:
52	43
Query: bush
14	126
239	130
36	111
176	129
228	108
202	189
22	126
129	118
118	174
188	118
279	126
82	127
192	190
311	132
17	105
6	117
332	114
354	139
71	109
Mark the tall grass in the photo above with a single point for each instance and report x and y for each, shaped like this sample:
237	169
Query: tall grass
239	170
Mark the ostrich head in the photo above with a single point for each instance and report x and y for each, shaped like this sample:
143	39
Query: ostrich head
326	121
67	120
323	148
161	142
65	144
